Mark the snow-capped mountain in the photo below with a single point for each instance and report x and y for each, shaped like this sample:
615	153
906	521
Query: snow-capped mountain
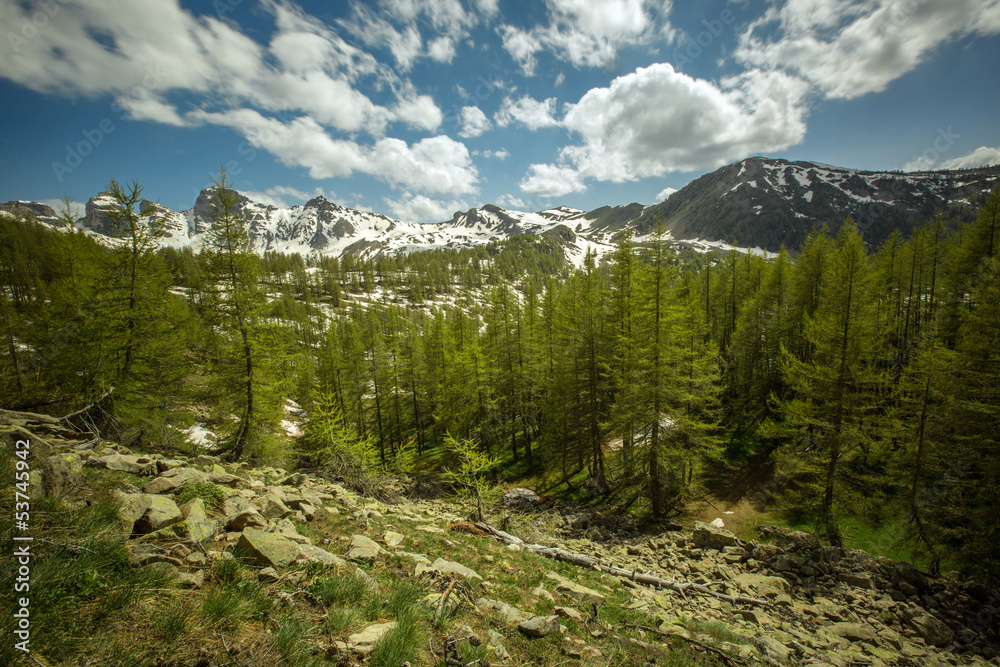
757	202
770	202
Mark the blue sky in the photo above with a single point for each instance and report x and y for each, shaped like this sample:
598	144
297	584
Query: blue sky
419	108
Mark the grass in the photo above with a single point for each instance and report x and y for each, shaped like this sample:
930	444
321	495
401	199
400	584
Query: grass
224	608
173	619
212	494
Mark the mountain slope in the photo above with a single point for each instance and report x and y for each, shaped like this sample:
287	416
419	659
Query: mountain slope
769	202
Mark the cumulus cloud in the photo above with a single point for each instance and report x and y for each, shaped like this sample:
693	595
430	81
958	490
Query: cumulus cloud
397	25
657	120
420	208
664	194
849	48
509	201
586	33
435	164
528	111
984	156
296	96
283	196
474	122
547	180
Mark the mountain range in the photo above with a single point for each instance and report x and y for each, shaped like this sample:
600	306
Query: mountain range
761	203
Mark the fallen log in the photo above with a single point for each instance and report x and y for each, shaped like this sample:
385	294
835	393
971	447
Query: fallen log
589	562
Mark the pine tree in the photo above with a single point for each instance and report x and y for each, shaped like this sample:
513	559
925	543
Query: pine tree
238	302
833	385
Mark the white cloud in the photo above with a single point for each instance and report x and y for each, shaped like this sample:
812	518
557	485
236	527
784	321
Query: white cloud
509	201
283	196
435	164
499	154
586	33
419	208
984	156
442	49
151	108
474	122
664	194
547	180
657	120
530	112
849	48
418	111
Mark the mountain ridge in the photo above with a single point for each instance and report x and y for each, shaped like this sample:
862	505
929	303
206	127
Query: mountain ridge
757	202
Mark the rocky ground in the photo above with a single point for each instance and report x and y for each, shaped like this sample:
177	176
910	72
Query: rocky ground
790	600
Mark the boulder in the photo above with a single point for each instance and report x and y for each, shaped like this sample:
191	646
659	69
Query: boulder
707	536
364	642
392	539
62	474
133	506
509	613
933	631
286	528
456	570
272	507
162	512
194	579
762	586
539	626
573	590
266	549
226	479
854	632
520	499
313	554
173	479
363	548
857	579
136	465
248	518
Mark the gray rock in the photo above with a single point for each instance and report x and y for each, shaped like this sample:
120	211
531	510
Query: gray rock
162	512
455	569
173	479
857	579
136	465
133	506
932	630
539	626
575	591
226	479
853	631
194	579
272	507
774	650
364	642
520	499
707	536
509	613
569	612
762	586
496	645
62	474
392	539
286	528
266	549
314	554
234	505
363	548
249	518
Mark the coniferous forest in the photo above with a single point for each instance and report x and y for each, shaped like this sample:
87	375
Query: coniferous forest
857	383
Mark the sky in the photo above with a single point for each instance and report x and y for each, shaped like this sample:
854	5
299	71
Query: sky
417	109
